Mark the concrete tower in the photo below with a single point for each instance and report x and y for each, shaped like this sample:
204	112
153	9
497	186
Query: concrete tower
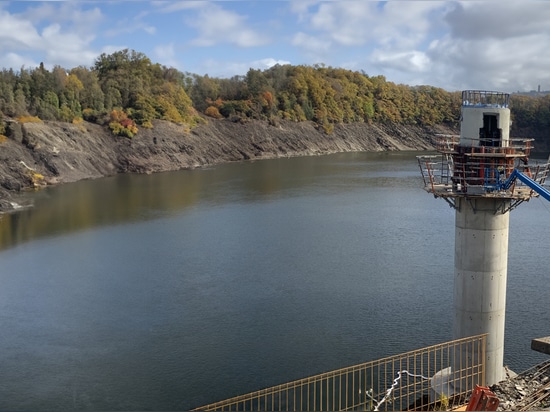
483	174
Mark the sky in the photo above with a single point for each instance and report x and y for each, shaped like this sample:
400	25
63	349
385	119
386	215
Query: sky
501	45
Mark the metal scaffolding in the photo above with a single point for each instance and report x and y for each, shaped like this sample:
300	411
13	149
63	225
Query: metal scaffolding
462	169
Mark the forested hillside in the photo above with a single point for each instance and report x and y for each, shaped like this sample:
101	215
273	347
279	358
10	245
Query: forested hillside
62	125
128	91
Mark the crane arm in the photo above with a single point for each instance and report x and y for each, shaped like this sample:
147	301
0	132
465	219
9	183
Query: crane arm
527	181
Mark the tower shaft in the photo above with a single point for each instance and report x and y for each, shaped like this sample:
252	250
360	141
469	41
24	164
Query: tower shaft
481	255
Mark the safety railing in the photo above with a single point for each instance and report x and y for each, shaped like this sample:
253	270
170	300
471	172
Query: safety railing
435	377
485	98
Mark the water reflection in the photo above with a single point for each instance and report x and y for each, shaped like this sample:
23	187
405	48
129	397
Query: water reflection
127	198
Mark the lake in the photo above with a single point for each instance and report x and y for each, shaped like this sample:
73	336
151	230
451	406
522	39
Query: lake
173	290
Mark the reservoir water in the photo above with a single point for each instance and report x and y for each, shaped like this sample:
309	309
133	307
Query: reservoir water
173	290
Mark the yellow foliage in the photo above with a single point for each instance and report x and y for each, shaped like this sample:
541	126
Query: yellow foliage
127	130
28	119
3	138
78	121
172	114
72	82
36	178
121	125
443	403
213	111
328	127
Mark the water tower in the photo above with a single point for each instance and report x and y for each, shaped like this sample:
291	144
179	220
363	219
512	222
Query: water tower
483	174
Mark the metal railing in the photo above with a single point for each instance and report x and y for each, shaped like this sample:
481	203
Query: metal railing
435	377
485	98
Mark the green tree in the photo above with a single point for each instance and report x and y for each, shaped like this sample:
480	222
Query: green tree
204	88
91	95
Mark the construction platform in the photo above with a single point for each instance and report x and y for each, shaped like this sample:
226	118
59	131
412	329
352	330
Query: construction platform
541	345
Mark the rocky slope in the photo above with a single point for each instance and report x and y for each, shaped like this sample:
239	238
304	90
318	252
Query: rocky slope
38	154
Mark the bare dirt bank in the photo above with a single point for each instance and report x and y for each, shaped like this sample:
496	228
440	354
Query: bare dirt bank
38	154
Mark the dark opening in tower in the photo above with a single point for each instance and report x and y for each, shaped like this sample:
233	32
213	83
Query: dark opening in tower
490	134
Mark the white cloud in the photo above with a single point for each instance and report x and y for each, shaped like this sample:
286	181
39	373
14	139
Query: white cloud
387	35
16	32
17	61
510	19
412	61
404	25
216	25
226	69
166	55
503	48
65	47
347	23
301	8
131	24
64	40
267	63
312	45
70	15
173	6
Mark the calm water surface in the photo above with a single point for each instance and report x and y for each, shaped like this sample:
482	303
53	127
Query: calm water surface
174	290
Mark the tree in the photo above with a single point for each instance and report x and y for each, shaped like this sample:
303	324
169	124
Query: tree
91	95
203	89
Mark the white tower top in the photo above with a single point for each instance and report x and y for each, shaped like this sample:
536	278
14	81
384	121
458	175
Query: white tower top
485	119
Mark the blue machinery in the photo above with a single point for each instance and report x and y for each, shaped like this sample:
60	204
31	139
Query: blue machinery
493	182
541	190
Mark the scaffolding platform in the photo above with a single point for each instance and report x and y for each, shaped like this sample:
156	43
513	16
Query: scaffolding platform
541	345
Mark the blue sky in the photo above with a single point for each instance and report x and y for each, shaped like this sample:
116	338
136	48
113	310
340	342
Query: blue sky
493	44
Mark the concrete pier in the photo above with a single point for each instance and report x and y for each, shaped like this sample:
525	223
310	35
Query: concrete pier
481	260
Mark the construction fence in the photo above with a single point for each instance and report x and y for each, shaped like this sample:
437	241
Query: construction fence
437	377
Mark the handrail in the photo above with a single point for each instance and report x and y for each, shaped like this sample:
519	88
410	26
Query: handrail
411	380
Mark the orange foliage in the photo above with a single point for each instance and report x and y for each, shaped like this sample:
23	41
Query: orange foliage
212	111
268	97
216	103
121	125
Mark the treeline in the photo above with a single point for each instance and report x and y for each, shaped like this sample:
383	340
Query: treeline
126	90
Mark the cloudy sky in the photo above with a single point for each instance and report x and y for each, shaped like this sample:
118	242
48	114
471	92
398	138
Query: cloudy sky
493	44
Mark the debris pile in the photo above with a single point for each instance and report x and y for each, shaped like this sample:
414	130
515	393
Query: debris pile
529	390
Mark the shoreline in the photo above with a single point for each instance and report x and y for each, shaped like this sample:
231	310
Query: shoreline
41	154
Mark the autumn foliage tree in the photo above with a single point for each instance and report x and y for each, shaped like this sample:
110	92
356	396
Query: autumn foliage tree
129	84
121	125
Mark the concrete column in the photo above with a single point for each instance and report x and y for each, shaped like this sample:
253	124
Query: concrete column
481	263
